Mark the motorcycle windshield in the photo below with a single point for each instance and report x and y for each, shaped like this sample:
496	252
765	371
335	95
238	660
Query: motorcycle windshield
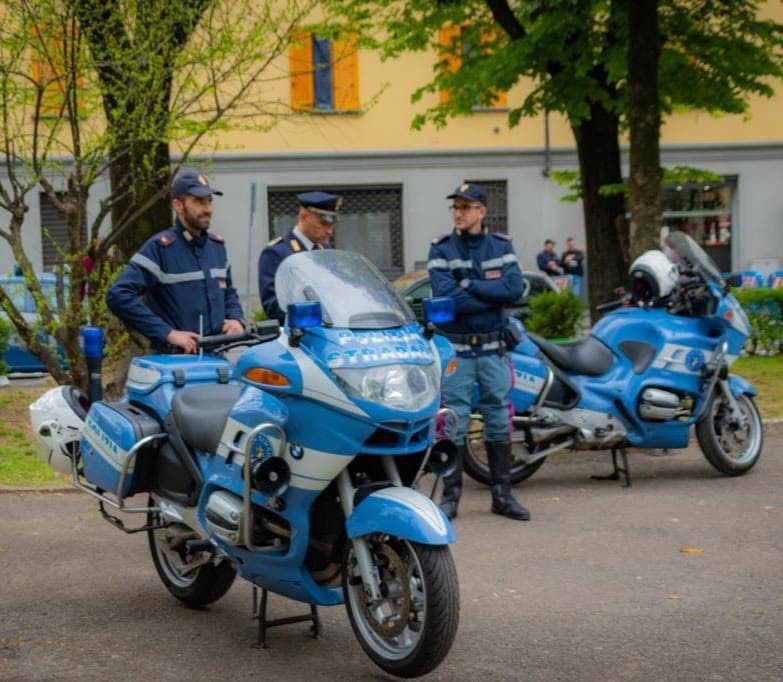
690	254
352	291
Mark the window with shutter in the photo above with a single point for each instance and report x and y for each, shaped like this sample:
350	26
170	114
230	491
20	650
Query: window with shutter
324	74
453	47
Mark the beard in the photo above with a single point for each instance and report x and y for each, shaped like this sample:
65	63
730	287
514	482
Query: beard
195	220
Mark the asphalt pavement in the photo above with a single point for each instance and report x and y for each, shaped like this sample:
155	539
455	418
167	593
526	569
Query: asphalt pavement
596	587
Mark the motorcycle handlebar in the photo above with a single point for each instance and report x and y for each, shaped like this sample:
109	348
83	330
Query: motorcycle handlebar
253	332
611	305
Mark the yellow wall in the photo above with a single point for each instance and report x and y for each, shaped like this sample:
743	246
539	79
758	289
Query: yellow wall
385	123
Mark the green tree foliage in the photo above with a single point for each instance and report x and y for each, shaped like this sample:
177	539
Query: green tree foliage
575	53
93	89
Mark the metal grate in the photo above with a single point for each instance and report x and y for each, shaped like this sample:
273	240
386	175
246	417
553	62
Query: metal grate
370	222
54	233
497	200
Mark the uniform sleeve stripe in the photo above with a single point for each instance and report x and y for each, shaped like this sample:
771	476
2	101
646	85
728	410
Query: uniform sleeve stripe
165	277
438	264
220	273
457	263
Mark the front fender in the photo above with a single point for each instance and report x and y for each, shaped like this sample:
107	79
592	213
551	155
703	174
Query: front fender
403	513
738	386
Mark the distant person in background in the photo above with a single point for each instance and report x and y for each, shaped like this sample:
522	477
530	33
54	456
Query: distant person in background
572	259
547	260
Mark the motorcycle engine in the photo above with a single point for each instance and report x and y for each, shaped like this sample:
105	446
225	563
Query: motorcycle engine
658	405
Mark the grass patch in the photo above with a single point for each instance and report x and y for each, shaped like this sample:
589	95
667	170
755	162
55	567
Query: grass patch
766	375
19	463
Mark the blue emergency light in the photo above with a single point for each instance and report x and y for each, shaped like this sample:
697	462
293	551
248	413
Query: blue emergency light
438	310
92	340
304	315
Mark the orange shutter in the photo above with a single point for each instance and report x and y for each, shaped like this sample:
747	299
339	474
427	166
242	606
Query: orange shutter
301	64
345	74
487	38
448	38
48	70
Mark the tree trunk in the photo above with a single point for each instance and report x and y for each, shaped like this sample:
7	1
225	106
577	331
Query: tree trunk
599	163
135	181
644	118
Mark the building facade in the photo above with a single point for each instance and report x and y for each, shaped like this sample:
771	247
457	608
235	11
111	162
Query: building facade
395	180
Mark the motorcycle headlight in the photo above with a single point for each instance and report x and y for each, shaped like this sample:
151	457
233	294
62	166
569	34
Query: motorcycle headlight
401	387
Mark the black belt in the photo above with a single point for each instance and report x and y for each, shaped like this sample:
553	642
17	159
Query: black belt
475	339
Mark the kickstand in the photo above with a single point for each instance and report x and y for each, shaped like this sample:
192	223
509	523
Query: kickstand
618	471
259	614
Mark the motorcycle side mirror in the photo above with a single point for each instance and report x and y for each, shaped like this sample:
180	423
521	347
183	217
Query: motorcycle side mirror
733	279
302	316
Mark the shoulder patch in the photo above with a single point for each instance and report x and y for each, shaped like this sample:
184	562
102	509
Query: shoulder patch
442	238
166	237
500	235
216	237
275	241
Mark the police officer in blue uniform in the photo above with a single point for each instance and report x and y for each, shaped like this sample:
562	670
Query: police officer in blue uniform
481	273
317	214
178	285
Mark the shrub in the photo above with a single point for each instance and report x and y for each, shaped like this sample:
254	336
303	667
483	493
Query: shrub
554	315
765	312
258	315
5	336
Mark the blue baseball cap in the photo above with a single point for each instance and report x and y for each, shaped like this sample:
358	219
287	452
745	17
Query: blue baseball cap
192	181
326	205
469	191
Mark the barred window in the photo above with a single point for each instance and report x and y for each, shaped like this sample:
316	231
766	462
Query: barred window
497	208
54	234
370	222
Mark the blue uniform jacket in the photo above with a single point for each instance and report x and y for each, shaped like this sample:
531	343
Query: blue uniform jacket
268	262
481	273
543	259
173	281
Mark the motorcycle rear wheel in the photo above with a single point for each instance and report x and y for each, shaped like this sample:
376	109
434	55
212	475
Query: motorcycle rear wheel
476	465
193	586
413	627
731	449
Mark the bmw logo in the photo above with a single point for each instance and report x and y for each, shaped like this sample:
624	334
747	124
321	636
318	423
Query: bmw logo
694	361
296	450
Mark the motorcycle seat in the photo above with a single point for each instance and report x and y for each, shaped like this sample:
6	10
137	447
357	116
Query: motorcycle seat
200	413
588	356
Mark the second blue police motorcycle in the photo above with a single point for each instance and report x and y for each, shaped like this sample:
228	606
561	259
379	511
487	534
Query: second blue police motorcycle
647	372
296	469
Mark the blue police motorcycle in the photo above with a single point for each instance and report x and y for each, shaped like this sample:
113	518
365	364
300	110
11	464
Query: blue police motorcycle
648	371
297	468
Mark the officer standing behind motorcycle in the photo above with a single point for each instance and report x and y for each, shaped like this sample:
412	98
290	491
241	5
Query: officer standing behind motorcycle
178	285
317	215
480	272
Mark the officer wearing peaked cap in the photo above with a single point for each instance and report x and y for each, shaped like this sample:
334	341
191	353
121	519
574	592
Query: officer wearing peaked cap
179	284
317	214
480	272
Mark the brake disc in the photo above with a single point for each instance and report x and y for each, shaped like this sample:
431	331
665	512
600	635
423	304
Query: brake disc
396	586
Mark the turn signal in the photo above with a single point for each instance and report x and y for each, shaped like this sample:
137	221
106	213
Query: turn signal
262	375
451	367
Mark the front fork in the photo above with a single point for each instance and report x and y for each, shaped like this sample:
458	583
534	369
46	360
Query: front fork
361	549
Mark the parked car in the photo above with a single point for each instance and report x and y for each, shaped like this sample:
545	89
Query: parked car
18	358
414	287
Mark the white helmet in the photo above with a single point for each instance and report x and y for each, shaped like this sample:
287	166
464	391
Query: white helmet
57	419
653	276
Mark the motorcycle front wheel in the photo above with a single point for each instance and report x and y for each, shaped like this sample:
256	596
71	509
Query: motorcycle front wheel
730	447
476	465
409	631
194	579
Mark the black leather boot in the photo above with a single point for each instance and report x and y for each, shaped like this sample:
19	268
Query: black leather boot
503	502
452	487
